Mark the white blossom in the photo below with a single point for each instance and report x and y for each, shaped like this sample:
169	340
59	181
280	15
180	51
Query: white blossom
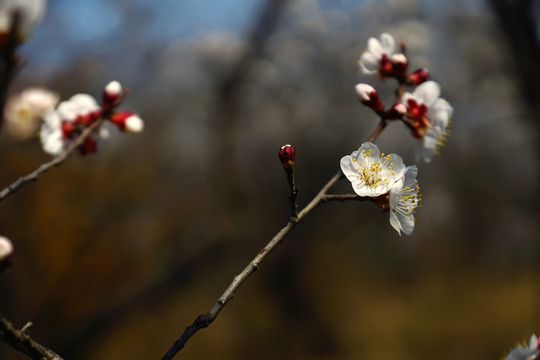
30	11
430	116
379	52
521	352
23	112
404	200
370	172
59	125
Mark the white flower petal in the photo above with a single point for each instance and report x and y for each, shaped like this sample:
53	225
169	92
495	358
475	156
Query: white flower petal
369	63
348	168
398	166
388	43
375	47
404	200
67	111
406	222
367	147
406	97
429	145
428	92
395	222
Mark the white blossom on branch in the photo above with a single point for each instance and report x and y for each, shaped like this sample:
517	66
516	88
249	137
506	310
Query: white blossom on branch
24	112
429	117
30	13
370	172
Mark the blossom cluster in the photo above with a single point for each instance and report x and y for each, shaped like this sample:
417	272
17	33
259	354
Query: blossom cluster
385	179
423	111
68	121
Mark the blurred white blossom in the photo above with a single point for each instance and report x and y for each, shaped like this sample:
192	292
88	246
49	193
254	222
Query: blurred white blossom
429	116
522	352
30	11
67	121
23	112
378	55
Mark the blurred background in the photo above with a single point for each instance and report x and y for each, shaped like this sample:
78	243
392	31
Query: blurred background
118	252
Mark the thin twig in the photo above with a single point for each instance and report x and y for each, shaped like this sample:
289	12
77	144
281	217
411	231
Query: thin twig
293	191
343	197
21	341
377	131
204	320
55	162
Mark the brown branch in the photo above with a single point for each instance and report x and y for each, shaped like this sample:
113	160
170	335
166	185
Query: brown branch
202	321
344	197
55	162
21	341
375	133
293	191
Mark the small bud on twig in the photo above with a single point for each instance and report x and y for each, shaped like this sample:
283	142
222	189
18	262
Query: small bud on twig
127	121
368	96
286	155
112	95
396	111
418	77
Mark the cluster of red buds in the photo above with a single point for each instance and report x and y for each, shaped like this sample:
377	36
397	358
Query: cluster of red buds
61	126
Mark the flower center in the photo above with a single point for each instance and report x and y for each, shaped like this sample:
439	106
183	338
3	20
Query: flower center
372	175
385	66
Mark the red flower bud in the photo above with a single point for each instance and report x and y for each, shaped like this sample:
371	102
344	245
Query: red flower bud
286	155
396	111
399	65
127	121
112	95
418	77
368	96
385	67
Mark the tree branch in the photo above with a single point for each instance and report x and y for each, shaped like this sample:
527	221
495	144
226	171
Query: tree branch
343	197
21	341
202	321
55	162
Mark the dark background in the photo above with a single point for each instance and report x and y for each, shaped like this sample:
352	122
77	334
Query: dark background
118	252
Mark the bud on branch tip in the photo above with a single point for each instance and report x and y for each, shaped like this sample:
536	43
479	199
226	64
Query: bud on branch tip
286	155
